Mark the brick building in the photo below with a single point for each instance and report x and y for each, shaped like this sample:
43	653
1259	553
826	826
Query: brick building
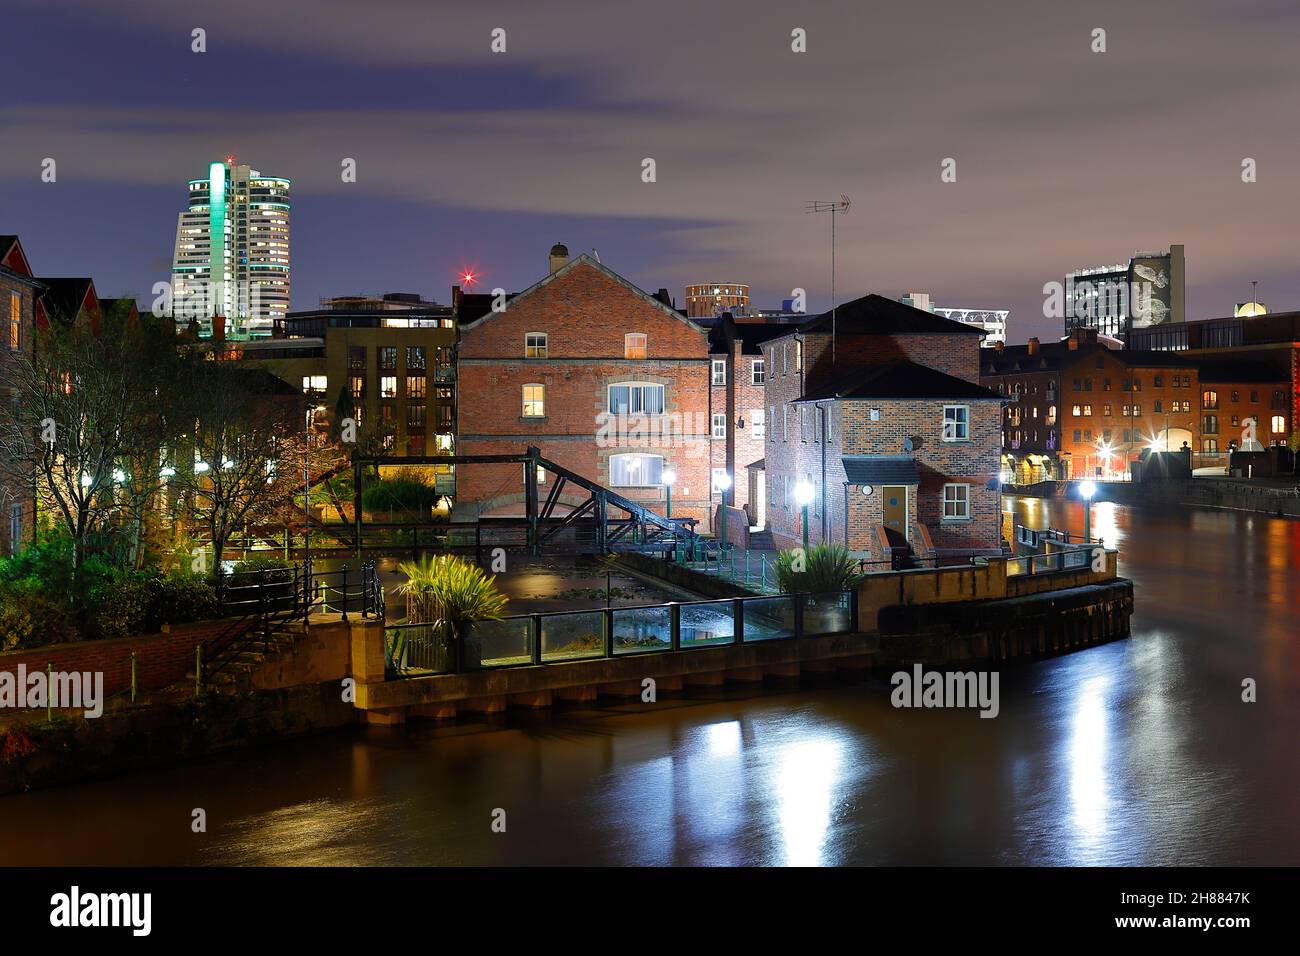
19	293
1078	408
605	378
890	427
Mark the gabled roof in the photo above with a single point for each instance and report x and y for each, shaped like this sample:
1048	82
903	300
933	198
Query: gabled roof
726	331
585	259
64	297
877	315
13	257
900	379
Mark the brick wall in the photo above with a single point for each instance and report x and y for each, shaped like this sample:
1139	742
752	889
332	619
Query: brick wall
161	659
585	314
12	492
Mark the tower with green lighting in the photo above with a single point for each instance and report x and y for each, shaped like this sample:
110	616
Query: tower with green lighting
230	271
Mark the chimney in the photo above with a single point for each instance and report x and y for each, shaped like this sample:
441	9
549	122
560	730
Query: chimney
1033	345
663	296
559	257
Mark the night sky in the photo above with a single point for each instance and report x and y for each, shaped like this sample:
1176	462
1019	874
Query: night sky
1065	157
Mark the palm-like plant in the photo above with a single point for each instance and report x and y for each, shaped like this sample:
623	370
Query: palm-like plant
449	592
820	569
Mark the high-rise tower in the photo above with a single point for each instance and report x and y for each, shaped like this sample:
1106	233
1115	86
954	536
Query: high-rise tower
232	251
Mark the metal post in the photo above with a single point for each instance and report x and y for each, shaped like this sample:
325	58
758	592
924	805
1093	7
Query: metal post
49	691
198	669
675	624
798	615
747	565
805	526
344	593
608	617
535	632
133	677
763	559
738	620
668	501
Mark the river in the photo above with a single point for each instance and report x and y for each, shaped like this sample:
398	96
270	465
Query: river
1138	752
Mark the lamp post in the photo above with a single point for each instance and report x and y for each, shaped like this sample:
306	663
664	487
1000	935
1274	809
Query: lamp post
724	483
1086	490
803	496
668	477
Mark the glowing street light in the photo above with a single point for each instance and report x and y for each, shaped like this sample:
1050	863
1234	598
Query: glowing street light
1087	489
668	478
803	496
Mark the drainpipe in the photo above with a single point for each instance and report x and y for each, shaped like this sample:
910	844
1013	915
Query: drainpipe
846	516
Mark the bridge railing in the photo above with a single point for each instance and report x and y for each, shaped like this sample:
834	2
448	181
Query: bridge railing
561	637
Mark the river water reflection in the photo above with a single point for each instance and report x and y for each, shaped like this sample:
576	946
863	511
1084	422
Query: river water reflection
1137	752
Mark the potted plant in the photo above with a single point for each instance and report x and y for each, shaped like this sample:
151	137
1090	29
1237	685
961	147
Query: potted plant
451	594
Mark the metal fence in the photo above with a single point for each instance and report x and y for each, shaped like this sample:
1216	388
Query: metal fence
415	650
1065	560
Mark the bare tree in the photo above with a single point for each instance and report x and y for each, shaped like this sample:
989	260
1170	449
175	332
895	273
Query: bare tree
83	399
246	434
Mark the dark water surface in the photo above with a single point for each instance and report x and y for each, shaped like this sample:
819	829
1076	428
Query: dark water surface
1138	752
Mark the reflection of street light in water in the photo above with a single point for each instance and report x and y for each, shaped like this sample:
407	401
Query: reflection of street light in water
1087	489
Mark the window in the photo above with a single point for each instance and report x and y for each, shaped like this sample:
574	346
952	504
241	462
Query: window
535	345
416	386
1159	406
1159	382
719	426
1105	385
1210	424
1076	411
1087	385
357	357
758	372
956	423
1279	424
798	355
1078	435
635	471
1209	399
719	372
634	345
1187	406
388	356
1254	395
636	398
1236	396
357	385
719	478
1107	409
805	423
785	423
1051	414
415	418
415	358
534	401
757	420
388	386
1210	445
1137	383
956	502
15	323
1187	381
1236	421
317	384
1137	410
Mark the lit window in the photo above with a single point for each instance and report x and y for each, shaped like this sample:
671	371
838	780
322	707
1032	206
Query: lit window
719	372
719	426
634	345
416	386
388	386
1279	424
757	419
15	320
534	401
956	502
535	345
636	398
956	423
317	384
635	471
357	385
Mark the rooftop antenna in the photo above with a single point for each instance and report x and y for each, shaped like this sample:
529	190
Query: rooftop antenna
595	252
1254	297
832	206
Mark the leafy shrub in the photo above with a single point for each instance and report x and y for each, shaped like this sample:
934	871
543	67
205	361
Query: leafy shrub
276	568
822	568
407	491
31	616
178	598
450	591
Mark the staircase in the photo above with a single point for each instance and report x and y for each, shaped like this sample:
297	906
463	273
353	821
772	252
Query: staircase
761	541
230	671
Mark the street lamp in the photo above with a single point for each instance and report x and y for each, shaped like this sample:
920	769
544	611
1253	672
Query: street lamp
668	477
1086	490
803	496
723	481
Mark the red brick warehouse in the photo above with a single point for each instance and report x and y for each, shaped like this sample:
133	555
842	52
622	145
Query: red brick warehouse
606	379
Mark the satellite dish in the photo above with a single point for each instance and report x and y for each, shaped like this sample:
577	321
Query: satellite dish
907	444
